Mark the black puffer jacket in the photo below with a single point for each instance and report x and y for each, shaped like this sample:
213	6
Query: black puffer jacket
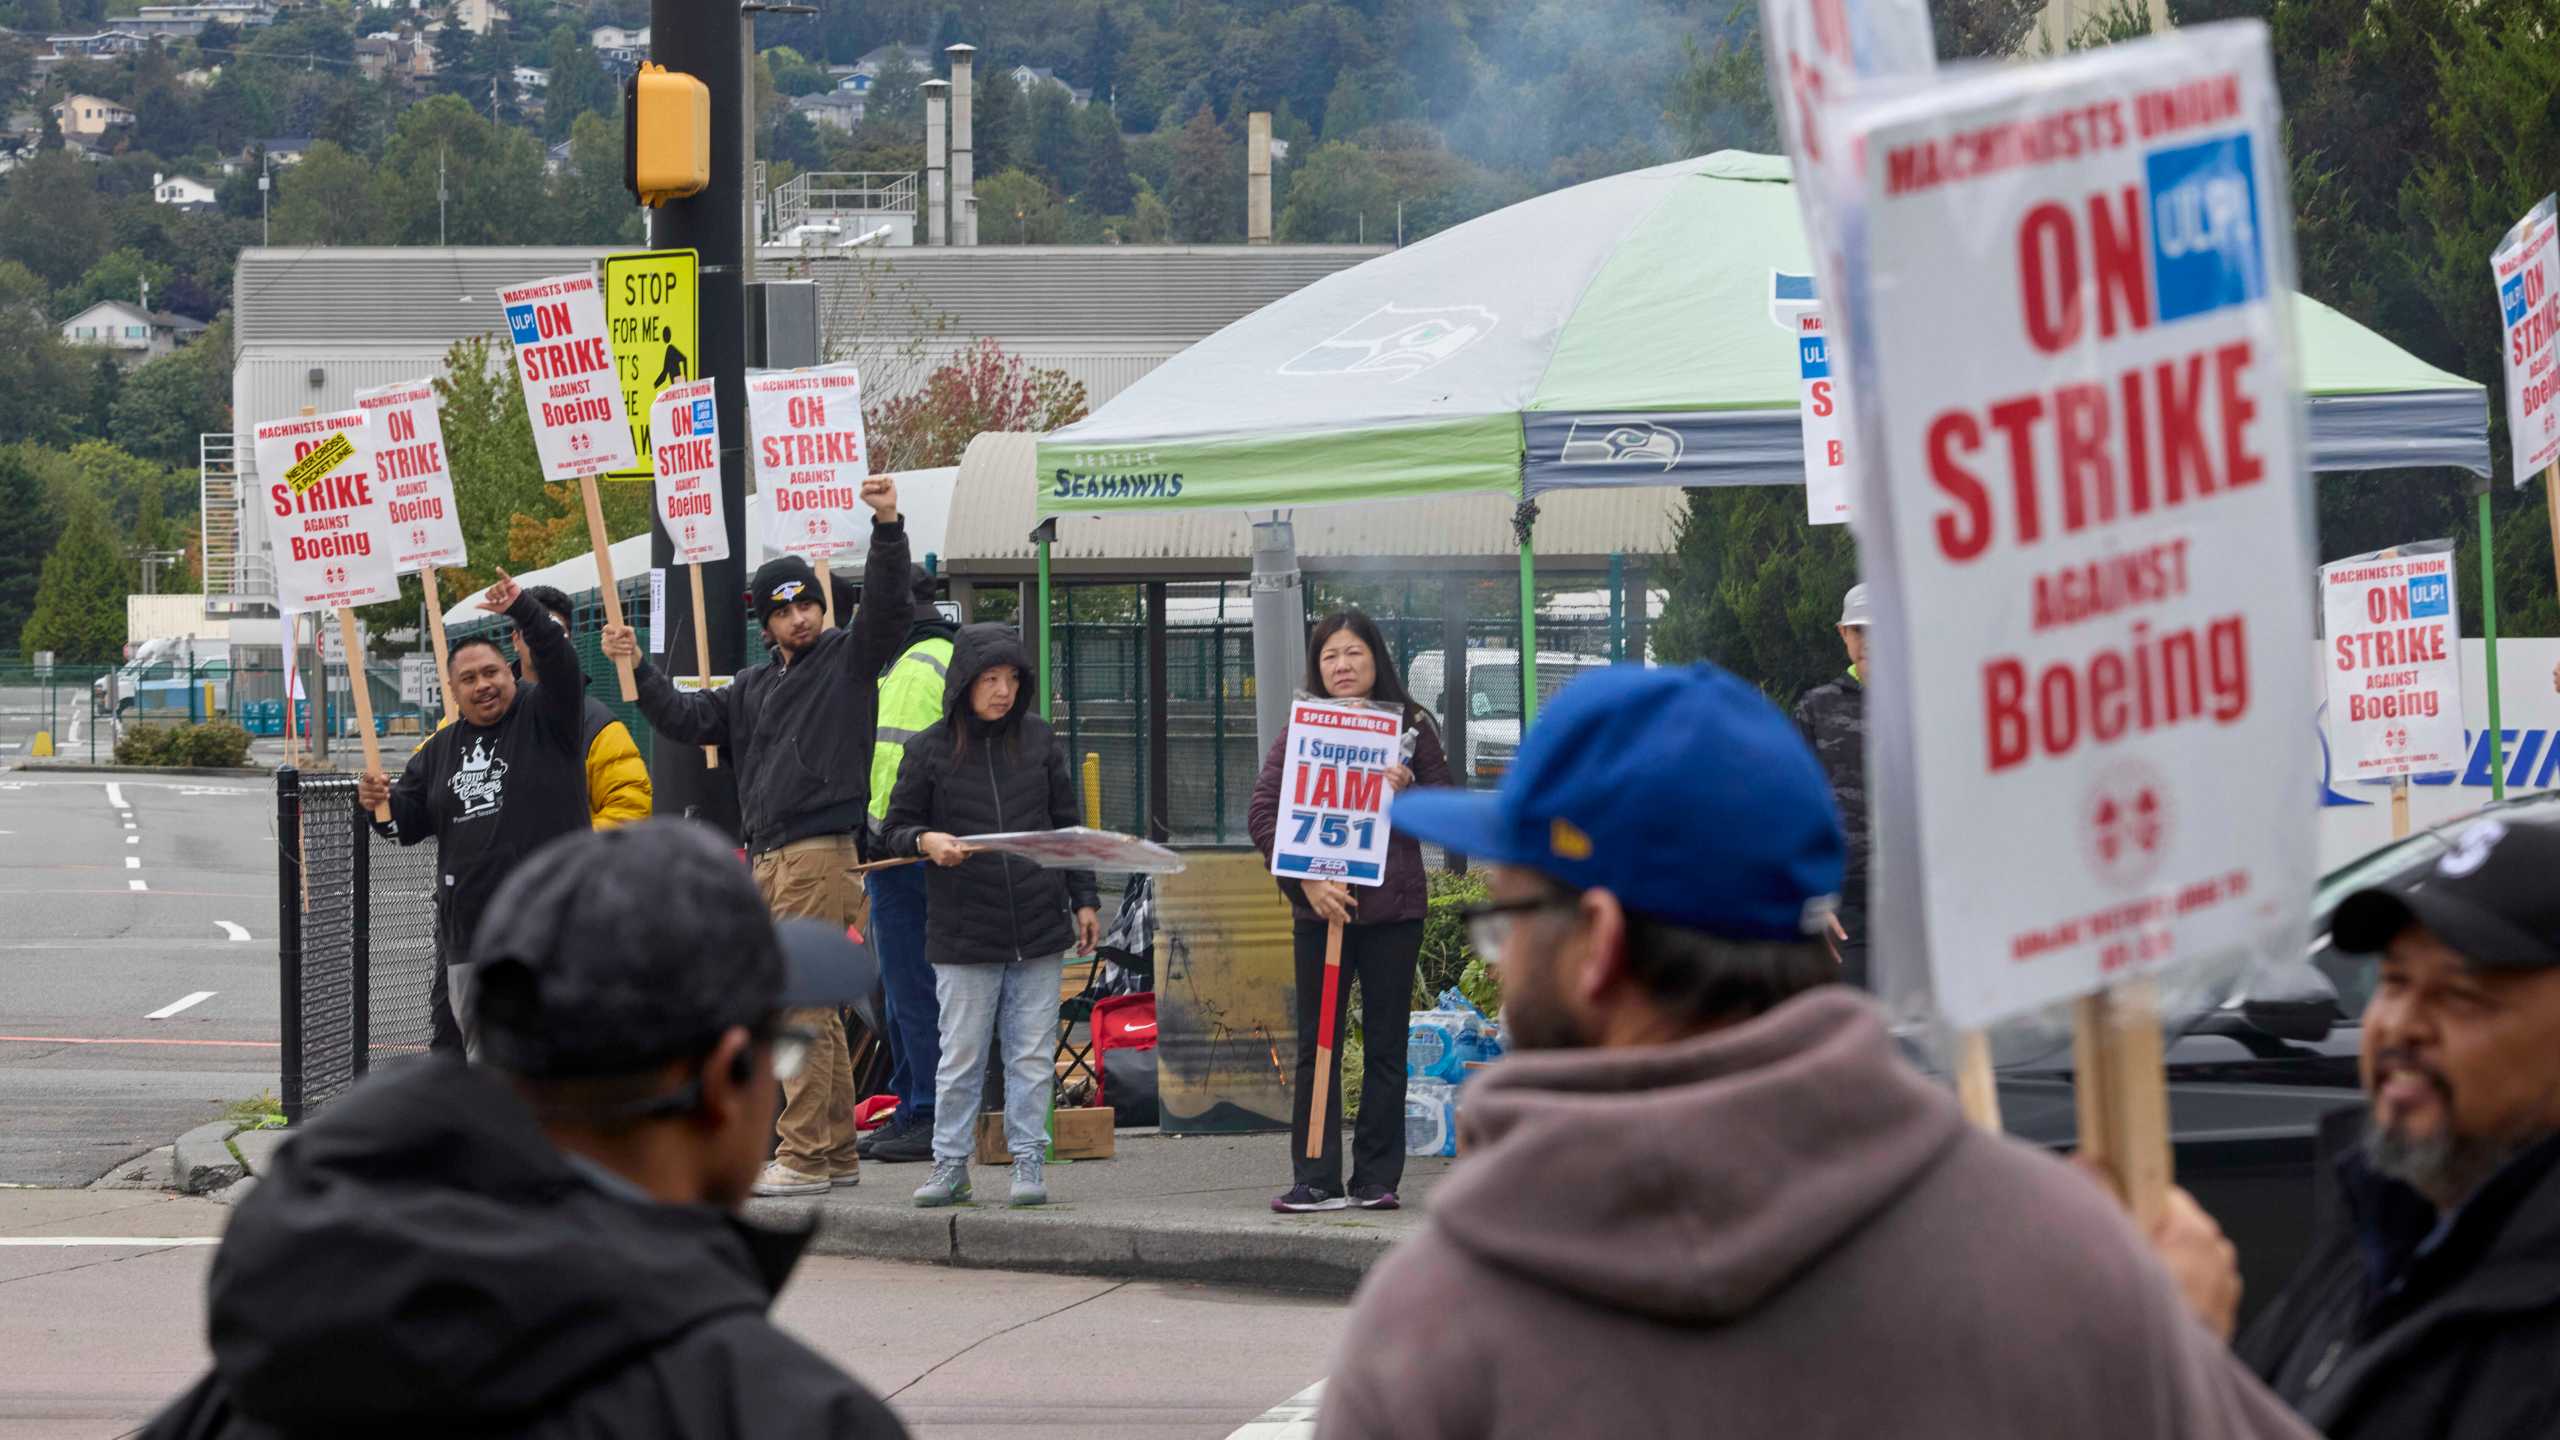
1833	718
966	777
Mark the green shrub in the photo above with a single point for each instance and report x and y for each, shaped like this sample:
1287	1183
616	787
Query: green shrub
1446	954
217	744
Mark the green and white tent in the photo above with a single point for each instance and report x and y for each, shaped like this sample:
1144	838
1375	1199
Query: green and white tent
1635	330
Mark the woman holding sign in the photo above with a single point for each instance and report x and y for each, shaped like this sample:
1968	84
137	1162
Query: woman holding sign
1347	662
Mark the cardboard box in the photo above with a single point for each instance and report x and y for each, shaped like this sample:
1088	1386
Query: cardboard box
1077	1135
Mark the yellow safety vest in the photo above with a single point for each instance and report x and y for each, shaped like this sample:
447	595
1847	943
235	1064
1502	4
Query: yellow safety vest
910	704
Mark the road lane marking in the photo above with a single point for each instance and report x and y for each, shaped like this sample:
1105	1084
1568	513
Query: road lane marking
232	930
133	862
135	885
133	839
132	1040
133	1242
115	796
165	1011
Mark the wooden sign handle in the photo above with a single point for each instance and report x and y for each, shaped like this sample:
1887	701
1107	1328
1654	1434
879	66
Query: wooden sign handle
2124	1095
702	653
604	578
1976	1090
1317	1121
364	703
435	634
2551	504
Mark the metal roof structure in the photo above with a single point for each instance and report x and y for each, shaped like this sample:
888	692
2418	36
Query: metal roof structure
991	523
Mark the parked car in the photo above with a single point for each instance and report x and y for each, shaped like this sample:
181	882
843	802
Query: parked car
1493	700
2249	1083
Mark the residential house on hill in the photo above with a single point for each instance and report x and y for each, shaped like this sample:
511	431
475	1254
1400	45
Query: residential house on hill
185	22
88	118
839	110
896	52
184	191
132	333
1031	77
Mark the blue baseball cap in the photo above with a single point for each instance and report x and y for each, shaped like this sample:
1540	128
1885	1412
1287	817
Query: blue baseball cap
1682	791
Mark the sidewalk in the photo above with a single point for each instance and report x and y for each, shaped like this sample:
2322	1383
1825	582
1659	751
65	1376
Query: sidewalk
1164	1208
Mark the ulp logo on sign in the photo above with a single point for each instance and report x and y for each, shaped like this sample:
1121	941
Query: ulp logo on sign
2511	299
1813	356
522	326
2429	595
702	421
2207	253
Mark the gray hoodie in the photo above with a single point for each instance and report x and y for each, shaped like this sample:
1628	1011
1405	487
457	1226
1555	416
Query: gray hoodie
1778	1229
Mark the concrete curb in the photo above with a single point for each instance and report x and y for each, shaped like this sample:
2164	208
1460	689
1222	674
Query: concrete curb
1324	1257
101	767
202	1159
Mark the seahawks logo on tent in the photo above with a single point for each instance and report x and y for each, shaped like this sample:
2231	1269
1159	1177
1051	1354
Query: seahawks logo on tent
1621	442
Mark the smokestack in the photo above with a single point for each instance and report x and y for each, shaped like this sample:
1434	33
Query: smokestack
1257	178
964	188
937	152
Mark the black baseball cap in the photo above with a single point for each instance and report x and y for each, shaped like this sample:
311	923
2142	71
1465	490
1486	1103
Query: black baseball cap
2490	897
613	952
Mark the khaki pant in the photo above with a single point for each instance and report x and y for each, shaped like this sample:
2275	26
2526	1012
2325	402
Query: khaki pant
808	877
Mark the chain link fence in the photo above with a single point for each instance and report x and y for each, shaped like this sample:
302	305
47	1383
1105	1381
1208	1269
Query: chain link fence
357	940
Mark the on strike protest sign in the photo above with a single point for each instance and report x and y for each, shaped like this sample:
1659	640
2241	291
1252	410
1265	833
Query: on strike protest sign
407	434
811	459
2527	267
684	429
1826	430
325	513
1333	793
2392	657
571	389
2076	383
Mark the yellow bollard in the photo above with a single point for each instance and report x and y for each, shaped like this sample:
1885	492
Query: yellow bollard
1092	790
42	749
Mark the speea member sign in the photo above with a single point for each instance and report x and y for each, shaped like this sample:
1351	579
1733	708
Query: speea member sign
1334	793
407	433
684	440
2391	638
2089	520
325	514
571	389
811	459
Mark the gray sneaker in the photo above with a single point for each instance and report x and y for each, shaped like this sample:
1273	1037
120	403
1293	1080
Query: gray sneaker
949	1185
1028	1187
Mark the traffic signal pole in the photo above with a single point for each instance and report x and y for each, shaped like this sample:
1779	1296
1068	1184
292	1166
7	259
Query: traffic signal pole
707	39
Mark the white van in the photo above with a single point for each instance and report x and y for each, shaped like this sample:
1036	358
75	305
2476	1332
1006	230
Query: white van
1493	700
172	677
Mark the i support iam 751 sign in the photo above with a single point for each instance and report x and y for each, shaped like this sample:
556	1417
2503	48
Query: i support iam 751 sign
2092	527
1334	793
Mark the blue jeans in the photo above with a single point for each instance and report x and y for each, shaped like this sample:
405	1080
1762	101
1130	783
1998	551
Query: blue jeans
906	980
1016	1004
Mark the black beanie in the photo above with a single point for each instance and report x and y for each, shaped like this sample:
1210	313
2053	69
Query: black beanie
784	580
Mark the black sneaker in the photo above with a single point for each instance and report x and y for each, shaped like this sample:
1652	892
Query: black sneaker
907	1142
1376	1197
1306	1200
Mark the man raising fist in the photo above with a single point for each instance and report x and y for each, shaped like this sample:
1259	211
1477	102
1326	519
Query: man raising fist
800	728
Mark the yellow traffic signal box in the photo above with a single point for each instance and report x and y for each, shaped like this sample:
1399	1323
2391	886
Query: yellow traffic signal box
666	135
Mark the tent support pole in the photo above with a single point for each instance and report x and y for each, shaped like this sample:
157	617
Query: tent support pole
1046	535
2489	635
1524	523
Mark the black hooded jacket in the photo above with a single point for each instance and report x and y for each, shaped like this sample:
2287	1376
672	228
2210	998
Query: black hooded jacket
422	1261
965	777
801	734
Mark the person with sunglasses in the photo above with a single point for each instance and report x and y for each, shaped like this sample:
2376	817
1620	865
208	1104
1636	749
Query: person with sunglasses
546	1243
1705	1184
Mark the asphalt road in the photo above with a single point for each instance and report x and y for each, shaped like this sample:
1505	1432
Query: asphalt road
63	710
120	899
100	1335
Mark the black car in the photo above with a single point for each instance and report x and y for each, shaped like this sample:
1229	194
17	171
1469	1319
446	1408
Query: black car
2248	1085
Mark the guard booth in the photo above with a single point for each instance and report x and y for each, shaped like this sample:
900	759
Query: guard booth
1150	663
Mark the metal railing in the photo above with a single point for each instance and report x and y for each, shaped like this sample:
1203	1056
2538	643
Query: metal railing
821	195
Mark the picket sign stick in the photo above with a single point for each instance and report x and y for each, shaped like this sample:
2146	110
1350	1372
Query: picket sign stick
868	866
2399	807
702	653
827	590
604	577
2551	504
364	703
2124	1094
1975	1088
435	633
1318	1122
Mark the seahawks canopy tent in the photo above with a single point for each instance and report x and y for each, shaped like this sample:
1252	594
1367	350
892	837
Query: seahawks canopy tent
1633	330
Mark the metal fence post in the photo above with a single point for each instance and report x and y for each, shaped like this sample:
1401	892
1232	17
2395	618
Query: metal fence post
289	939
360	948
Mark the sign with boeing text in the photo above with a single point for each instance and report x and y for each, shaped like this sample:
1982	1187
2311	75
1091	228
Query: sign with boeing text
1334	793
2077	392
1826	430
572	385
2526	266
2389	627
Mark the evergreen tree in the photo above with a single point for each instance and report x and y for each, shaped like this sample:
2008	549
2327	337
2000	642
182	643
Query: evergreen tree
79	605
1208	183
1001	126
23	543
1108	190
1102	47
1057	150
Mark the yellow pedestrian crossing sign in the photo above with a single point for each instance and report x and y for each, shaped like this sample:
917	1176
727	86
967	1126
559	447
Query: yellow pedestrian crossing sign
652	308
